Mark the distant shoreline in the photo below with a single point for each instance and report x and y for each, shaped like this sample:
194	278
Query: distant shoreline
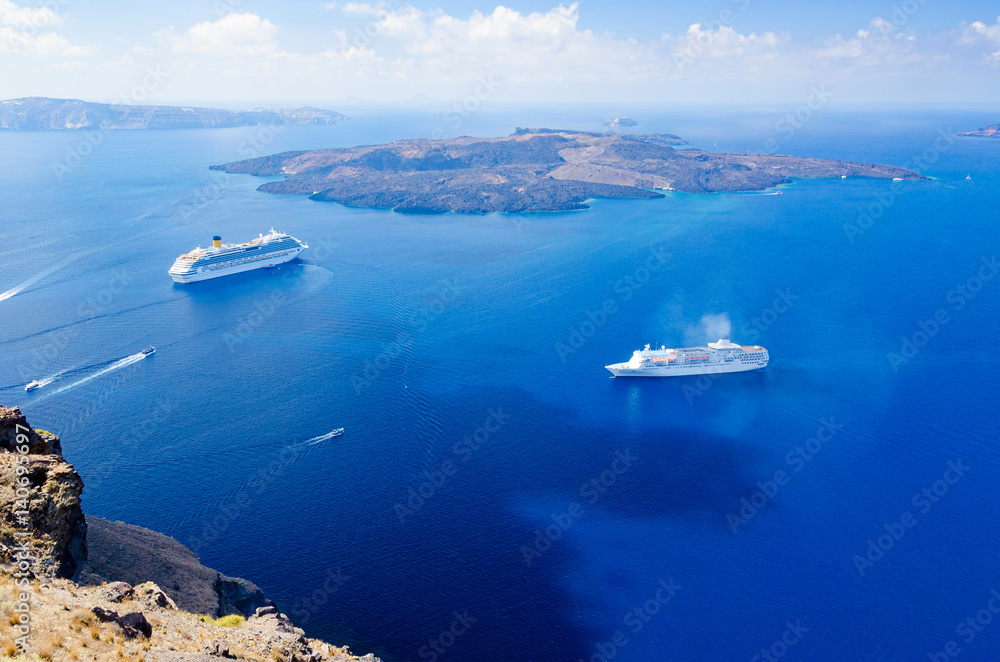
991	131
532	170
45	114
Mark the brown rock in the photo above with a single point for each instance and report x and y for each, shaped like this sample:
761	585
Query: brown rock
104	615
135	622
216	648
153	597
53	515
264	611
119	591
40	442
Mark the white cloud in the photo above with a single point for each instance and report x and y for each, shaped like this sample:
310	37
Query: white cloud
533	47
31	43
723	42
387	49
361	8
26	17
22	31
881	42
978	31
233	34
980	34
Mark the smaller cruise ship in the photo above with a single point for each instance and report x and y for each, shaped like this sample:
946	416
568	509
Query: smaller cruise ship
267	250
716	357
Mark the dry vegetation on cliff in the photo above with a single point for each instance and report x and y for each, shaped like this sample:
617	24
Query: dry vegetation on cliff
83	610
68	626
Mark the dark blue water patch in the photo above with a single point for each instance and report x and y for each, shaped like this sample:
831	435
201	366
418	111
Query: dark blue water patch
363	338
461	549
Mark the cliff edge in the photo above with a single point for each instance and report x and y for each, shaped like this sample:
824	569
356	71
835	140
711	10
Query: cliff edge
40	496
76	588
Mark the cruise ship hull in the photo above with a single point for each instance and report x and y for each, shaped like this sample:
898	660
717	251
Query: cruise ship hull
226	260
623	369
715	358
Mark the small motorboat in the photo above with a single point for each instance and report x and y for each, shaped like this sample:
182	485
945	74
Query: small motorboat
149	350
337	432
32	385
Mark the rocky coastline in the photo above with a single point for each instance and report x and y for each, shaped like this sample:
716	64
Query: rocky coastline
83	587
532	170
991	131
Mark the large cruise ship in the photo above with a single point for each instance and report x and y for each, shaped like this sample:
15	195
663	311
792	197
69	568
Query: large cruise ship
267	250
716	357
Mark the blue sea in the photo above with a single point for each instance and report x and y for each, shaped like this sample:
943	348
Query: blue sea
495	495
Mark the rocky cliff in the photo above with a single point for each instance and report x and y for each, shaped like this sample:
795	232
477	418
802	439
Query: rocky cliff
133	554
104	590
40	500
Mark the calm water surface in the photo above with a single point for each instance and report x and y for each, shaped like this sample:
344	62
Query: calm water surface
490	470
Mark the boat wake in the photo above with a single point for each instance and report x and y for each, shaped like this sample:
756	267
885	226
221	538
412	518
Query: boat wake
17	289
117	365
45	381
321	438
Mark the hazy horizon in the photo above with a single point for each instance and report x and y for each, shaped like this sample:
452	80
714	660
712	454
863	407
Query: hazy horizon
735	53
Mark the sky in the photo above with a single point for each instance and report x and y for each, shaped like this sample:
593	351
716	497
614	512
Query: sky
231	53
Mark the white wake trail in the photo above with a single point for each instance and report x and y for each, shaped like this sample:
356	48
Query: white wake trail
321	438
17	289
45	381
117	365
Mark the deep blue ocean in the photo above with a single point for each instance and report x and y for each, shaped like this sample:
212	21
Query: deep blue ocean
495	494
